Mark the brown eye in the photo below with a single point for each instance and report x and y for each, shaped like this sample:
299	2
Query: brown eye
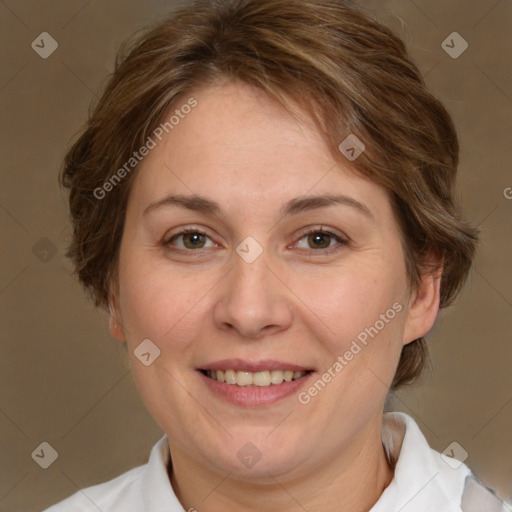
192	239
320	240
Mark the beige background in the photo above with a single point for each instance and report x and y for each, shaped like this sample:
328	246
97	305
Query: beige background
65	381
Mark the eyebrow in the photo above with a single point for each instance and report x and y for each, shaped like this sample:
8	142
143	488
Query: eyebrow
293	207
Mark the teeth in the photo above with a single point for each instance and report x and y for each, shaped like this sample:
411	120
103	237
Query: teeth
261	379
276	376
243	378
229	376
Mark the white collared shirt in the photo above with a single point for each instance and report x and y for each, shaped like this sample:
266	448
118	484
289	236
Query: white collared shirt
424	481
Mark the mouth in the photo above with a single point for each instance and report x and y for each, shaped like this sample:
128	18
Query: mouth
253	383
264	378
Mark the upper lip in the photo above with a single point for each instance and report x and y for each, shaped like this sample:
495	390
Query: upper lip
253	366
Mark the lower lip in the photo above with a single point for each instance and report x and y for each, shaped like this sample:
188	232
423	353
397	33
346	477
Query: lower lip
254	396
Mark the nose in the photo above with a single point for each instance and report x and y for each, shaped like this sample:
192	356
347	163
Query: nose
253	300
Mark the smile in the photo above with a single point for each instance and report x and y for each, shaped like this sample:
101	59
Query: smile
261	379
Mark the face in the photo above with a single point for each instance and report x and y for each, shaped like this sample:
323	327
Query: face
249	290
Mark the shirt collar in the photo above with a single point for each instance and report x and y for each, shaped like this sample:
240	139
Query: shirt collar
157	492
422	480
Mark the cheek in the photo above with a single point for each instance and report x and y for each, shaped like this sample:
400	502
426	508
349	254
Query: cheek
357	299
365	311
161	306
157	302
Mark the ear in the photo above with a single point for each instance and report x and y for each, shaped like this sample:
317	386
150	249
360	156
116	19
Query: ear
115	323
424	304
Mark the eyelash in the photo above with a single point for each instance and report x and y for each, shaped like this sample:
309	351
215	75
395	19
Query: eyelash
314	231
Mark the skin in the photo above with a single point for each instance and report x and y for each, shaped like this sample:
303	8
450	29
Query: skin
294	303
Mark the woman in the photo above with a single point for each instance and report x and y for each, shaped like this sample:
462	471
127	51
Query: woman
264	200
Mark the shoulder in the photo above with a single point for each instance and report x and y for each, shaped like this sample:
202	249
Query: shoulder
478	496
426	479
144	487
122	493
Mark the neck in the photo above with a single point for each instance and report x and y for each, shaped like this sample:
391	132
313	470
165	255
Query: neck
355	479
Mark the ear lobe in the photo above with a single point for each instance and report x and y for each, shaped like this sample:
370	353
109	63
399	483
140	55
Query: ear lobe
423	307
114	324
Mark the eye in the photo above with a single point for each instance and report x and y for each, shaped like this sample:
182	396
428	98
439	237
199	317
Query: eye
321	239
193	238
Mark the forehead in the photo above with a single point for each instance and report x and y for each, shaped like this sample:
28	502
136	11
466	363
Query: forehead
239	146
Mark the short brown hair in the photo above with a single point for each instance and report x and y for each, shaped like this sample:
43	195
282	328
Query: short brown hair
350	73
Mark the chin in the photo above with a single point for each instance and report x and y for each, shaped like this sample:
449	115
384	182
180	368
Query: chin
247	460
